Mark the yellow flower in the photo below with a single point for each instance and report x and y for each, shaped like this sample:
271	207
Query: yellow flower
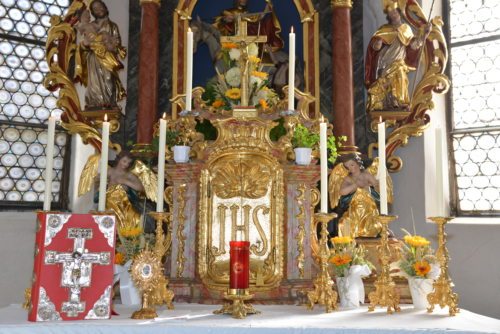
130	232
217	104
346	259
263	104
229	45
422	268
119	258
259	74
254	59
416	240
233	93
341	259
341	240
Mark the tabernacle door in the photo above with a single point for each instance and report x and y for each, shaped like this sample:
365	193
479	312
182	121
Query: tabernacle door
242	199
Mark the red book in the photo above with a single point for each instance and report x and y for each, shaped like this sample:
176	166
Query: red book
73	269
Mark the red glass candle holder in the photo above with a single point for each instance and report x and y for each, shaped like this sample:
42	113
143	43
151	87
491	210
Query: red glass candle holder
239	261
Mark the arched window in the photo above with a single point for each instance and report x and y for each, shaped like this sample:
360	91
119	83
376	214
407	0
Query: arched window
474	36
26	105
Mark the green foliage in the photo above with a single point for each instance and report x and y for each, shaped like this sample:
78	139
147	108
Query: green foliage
303	137
333	144
172	138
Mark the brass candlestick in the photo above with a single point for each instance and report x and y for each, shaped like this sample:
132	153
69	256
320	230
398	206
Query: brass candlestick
323	292
147	272
443	294
385	293
237	307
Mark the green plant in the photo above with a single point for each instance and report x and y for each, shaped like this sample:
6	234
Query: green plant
303	137
333	144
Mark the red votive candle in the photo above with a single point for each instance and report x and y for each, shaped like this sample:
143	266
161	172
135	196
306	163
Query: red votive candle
239	261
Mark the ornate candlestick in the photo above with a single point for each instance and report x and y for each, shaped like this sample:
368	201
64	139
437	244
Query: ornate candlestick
147	272
443	293
385	293
238	292
323	292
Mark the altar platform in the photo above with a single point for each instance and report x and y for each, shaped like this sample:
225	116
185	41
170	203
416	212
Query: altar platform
290	319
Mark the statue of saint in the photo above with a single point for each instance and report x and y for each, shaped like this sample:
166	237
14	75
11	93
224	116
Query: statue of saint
98	58
261	24
354	193
392	52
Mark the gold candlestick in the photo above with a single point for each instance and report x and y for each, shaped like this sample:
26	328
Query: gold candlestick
323	292
147	272
385	293
237	307
443	294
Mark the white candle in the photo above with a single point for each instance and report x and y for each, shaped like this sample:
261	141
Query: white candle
49	154
382	169
291	71
439	174
189	69
324	166
104	165
161	164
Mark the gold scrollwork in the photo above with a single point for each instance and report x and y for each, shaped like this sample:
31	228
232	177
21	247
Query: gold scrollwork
301	228
341	3
181	219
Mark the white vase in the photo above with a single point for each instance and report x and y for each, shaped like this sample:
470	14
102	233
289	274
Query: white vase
348	293
181	154
303	155
419	289
129	294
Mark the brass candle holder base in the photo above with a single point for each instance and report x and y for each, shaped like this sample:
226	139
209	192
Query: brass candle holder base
323	292
385	293
443	294
237	307
145	313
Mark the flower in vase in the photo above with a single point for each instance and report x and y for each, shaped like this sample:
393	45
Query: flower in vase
234	54
254	59
263	104
229	45
259	74
233	77
417	258
233	93
345	254
422	268
218	104
253	50
119	258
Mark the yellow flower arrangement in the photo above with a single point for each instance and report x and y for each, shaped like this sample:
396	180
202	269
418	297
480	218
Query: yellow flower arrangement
119	258
417	257
229	45
130	232
131	241
263	104
346	253
260	75
254	59
218	104
233	93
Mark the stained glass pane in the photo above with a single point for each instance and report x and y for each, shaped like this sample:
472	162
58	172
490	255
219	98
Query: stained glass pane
471	19
23	161
477	159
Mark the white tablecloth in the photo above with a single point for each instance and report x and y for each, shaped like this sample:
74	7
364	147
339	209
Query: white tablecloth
199	319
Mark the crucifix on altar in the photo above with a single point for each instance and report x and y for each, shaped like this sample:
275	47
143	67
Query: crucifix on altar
242	39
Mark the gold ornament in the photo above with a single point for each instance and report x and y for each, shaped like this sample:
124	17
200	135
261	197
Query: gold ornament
385	294
443	294
237	307
323	292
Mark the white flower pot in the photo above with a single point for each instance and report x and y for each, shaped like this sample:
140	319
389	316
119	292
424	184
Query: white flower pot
348	293
303	155
181	154
129	294
419	289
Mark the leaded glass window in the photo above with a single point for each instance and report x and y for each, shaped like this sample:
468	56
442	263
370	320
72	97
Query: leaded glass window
26	105
475	75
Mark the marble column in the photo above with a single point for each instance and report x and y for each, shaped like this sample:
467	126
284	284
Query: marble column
148	71
342	72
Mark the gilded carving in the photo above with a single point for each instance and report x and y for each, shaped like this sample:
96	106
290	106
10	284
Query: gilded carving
181	219
301	228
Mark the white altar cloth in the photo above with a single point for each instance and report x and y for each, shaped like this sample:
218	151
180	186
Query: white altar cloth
274	319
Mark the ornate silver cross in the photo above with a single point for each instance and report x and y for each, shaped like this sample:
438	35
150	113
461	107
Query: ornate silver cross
77	268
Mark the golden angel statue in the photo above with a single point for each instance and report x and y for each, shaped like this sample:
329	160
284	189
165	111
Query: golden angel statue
98	58
354	193
392	53
126	190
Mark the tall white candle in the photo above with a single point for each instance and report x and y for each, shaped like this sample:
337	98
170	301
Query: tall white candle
382	168
324	166
161	164
49	153
291	71
104	165
189	69
439	174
